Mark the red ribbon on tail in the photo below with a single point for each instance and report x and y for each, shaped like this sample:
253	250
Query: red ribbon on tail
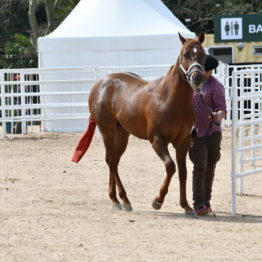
85	141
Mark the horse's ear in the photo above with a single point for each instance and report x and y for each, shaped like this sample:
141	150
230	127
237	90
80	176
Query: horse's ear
182	39
201	37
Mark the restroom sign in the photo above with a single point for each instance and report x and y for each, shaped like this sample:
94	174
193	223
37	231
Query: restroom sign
244	28
231	28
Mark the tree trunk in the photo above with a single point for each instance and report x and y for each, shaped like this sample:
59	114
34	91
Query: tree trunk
32	19
49	5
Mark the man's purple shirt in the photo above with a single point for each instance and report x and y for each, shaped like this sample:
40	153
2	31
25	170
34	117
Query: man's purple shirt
213	97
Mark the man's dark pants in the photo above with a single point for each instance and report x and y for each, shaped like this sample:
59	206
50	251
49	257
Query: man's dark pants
204	153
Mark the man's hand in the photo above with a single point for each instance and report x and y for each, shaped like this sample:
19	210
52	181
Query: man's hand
218	116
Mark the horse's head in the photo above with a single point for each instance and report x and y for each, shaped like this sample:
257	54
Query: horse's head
191	60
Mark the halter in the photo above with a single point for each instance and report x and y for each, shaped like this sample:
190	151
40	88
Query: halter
188	72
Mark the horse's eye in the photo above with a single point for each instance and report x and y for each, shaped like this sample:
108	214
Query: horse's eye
187	55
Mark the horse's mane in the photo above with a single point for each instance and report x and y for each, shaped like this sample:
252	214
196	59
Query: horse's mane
133	74
165	80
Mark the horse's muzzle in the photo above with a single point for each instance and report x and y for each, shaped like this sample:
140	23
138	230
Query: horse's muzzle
194	75
196	79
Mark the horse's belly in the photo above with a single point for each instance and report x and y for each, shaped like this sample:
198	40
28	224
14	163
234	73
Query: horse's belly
134	126
139	134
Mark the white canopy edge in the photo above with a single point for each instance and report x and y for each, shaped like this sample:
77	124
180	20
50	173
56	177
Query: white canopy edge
60	44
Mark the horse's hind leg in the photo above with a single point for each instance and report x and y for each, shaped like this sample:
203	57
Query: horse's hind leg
181	153
112	192
115	141
161	149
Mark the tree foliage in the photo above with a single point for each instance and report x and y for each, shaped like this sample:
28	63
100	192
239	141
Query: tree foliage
28	19
198	15
13	17
21	48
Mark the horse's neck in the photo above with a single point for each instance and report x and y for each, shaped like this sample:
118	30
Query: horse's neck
175	88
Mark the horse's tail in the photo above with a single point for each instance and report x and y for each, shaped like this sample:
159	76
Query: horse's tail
85	141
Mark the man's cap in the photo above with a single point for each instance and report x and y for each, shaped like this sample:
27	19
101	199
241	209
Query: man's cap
210	63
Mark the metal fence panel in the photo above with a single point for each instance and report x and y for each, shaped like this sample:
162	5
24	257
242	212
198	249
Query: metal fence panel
59	95
246	127
56	97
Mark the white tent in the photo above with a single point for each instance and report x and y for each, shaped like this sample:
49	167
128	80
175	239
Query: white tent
114	33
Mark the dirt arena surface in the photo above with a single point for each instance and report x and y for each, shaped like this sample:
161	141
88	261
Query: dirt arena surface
54	210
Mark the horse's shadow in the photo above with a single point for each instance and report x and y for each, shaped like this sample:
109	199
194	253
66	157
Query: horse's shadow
220	217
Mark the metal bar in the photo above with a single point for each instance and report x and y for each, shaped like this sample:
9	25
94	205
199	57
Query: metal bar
245	148
2	92
247	173
247	160
233	144
23	111
46	94
50	105
246	138
241	129
48	82
258	94
248	122
50	117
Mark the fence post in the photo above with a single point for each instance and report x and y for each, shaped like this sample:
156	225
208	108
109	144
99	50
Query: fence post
2	91
233	142
23	110
242	128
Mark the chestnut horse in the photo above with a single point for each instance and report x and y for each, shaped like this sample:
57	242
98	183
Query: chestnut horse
160	111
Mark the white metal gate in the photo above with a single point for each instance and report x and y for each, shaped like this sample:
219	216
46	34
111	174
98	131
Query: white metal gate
24	99
246	127
57	97
224	73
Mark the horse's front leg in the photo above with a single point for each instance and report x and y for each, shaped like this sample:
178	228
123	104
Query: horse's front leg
160	146
181	152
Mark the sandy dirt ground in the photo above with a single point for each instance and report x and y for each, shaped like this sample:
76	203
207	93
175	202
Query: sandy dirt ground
54	210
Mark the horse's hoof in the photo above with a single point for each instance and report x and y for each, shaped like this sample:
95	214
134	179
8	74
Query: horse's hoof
116	207
127	207
156	205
